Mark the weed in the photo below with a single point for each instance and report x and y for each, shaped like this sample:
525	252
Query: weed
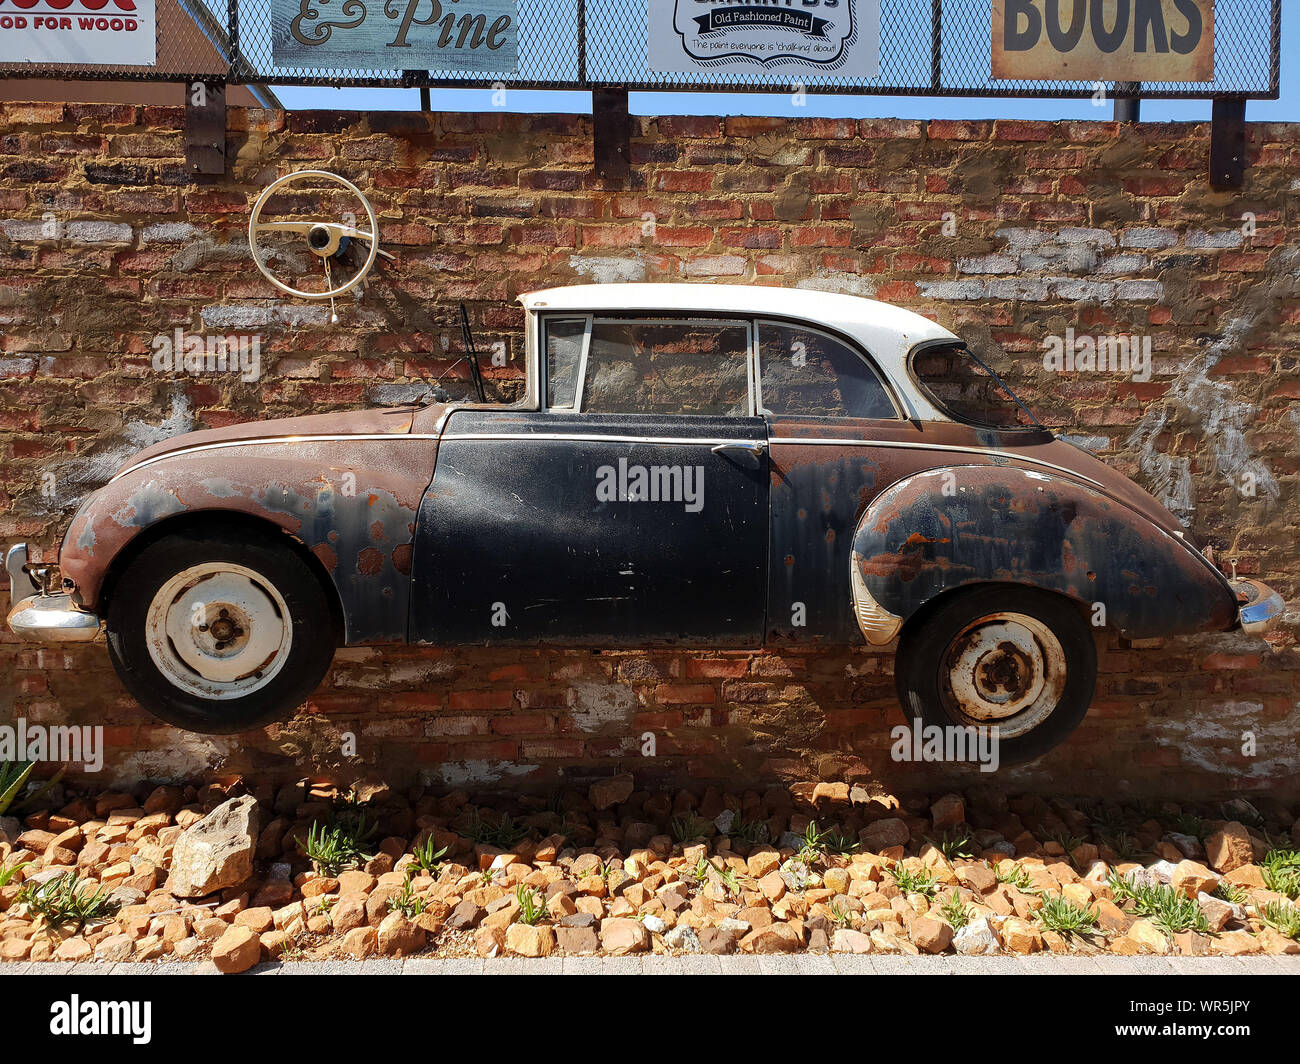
910	882
532	906
67	899
1058	913
1015	876
1281	870
952	844
1283	917
407	902
956	912
339	844
427	858
688	829
502	834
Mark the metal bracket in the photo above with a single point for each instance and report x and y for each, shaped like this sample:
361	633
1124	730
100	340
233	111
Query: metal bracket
611	134
205	128
1228	143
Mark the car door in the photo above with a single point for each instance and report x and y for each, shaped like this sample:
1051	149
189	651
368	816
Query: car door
630	509
831	418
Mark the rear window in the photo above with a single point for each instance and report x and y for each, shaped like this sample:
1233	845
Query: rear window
963	386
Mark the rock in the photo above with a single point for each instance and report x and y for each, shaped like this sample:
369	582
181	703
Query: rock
217	852
1229	847
530	940
653	924
848	941
115	948
1146	935
1277	944
360	943
979	878
489	941
1163	871
1188	845
976	939
772	886
883	834
930	936
763	861
683	938
947	812
776	938
718	940
1020	936
465	916
724	821
1250	876
604	794
237	950
1235	944
1217	911
577	940
619	937
399	937
1192	878
74	949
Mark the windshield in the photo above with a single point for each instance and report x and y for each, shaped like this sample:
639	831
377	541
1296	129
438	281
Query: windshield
961	385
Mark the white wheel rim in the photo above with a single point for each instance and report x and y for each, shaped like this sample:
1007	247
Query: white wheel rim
218	631
1006	670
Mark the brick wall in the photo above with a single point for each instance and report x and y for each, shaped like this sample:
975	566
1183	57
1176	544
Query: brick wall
1006	232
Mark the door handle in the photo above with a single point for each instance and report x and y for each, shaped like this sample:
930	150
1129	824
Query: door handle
747	448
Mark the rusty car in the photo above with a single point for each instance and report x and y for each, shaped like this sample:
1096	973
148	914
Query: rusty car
698	465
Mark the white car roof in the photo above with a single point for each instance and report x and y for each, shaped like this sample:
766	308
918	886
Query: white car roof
887	332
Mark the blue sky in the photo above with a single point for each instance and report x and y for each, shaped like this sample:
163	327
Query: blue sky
1284	109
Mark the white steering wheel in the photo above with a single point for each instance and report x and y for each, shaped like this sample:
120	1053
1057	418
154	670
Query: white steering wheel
323	237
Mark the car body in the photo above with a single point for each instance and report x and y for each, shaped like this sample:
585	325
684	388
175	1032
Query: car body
697	465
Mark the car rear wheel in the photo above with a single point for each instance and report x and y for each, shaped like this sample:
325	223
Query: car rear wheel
1017	659
219	635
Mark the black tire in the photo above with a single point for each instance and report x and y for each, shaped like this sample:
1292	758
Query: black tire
929	655
277	566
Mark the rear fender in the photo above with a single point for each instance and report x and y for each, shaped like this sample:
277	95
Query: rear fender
963	525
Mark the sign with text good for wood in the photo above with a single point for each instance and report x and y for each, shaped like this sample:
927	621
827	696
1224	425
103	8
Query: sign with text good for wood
1103	40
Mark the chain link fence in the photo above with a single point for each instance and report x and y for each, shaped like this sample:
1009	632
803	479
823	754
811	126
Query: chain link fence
927	48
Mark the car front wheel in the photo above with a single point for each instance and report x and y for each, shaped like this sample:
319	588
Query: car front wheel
219	635
1020	660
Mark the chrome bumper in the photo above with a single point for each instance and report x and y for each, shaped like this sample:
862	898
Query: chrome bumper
40	617
1260	607
52	619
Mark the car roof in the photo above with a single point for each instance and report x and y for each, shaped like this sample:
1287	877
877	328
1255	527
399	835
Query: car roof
888	326
887	332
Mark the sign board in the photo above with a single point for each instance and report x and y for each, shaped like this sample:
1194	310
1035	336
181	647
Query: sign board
1103	40
740	37
472	36
80	32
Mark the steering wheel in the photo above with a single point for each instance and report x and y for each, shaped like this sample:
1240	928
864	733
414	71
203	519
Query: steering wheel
324	238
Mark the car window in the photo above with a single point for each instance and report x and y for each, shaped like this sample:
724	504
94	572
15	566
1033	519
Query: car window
667	367
805	373
965	387
564	339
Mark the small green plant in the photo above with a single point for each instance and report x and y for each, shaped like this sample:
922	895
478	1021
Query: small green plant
7	874
1058	913
503	833
1187	824
952	844
814	844
1283	917
532	906
727	875
407	902
1068	842
834	842
1169	910
754	832
909	882
688	829
1126	848
841	915
956	912
339	844
427	858
67	899
700	873
13	778
1013	876
1281	869
488	876
1231	893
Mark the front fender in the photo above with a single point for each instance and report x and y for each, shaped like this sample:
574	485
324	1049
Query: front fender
948	528
352	503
